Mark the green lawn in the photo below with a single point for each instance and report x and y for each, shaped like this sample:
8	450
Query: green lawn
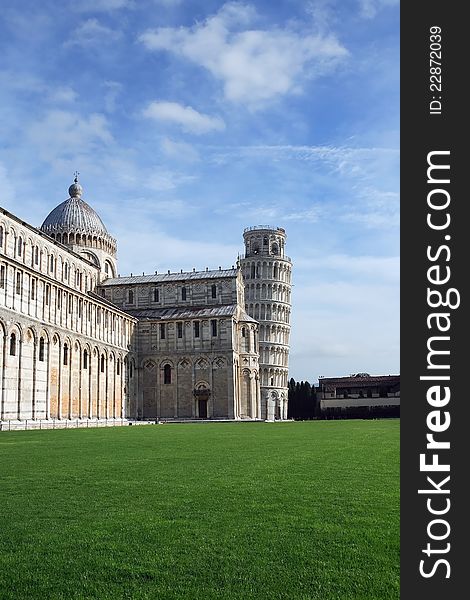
201	511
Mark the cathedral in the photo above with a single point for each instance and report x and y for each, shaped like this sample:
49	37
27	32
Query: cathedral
81	345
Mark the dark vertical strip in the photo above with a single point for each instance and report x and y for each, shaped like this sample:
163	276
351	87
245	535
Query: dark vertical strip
434	254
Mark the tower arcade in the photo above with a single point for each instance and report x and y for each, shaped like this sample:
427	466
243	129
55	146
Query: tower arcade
267	275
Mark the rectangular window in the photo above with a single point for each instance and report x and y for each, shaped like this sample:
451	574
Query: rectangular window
214	291
59	300
183	293
33	289
196	329
48	294
156	295
41	349
2	276
180	329
70	304
214	327
18	282
162	331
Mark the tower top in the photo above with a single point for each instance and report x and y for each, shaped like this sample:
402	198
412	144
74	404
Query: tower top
264	240
279	230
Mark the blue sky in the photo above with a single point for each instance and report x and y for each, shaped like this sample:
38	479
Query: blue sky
191	120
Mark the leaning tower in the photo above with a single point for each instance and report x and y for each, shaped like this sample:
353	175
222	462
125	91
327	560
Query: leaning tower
267	274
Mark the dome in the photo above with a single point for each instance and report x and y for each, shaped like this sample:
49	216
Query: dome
74	216
75	220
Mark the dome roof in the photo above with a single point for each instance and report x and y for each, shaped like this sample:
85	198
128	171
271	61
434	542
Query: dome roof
75	216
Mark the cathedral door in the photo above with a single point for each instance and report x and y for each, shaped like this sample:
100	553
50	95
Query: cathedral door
202	405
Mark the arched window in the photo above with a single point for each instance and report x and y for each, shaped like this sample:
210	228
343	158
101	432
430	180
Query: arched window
12	344
66	354
156	295
275	249
41	349
2	237
66	271
130	297
118	367
20	246
102	363
243	332
85	359
183	293
167	374
36	255
51	265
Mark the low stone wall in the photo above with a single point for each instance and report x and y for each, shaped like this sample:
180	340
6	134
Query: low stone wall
66	424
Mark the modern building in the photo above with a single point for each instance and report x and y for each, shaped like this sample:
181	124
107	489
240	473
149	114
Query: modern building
360	394
80	343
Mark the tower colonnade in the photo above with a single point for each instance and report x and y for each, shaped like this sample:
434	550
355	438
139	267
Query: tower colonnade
267	273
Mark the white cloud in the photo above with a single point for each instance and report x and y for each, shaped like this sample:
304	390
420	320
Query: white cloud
186	117
113	89
179	150
369	8
102	5
63	94
254	65
63	136
162	180
92	33
271	212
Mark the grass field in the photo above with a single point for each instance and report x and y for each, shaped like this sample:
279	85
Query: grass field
202	511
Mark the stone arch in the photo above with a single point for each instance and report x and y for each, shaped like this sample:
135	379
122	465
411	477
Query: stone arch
75	377
3	231
66	367
202	396
246	394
